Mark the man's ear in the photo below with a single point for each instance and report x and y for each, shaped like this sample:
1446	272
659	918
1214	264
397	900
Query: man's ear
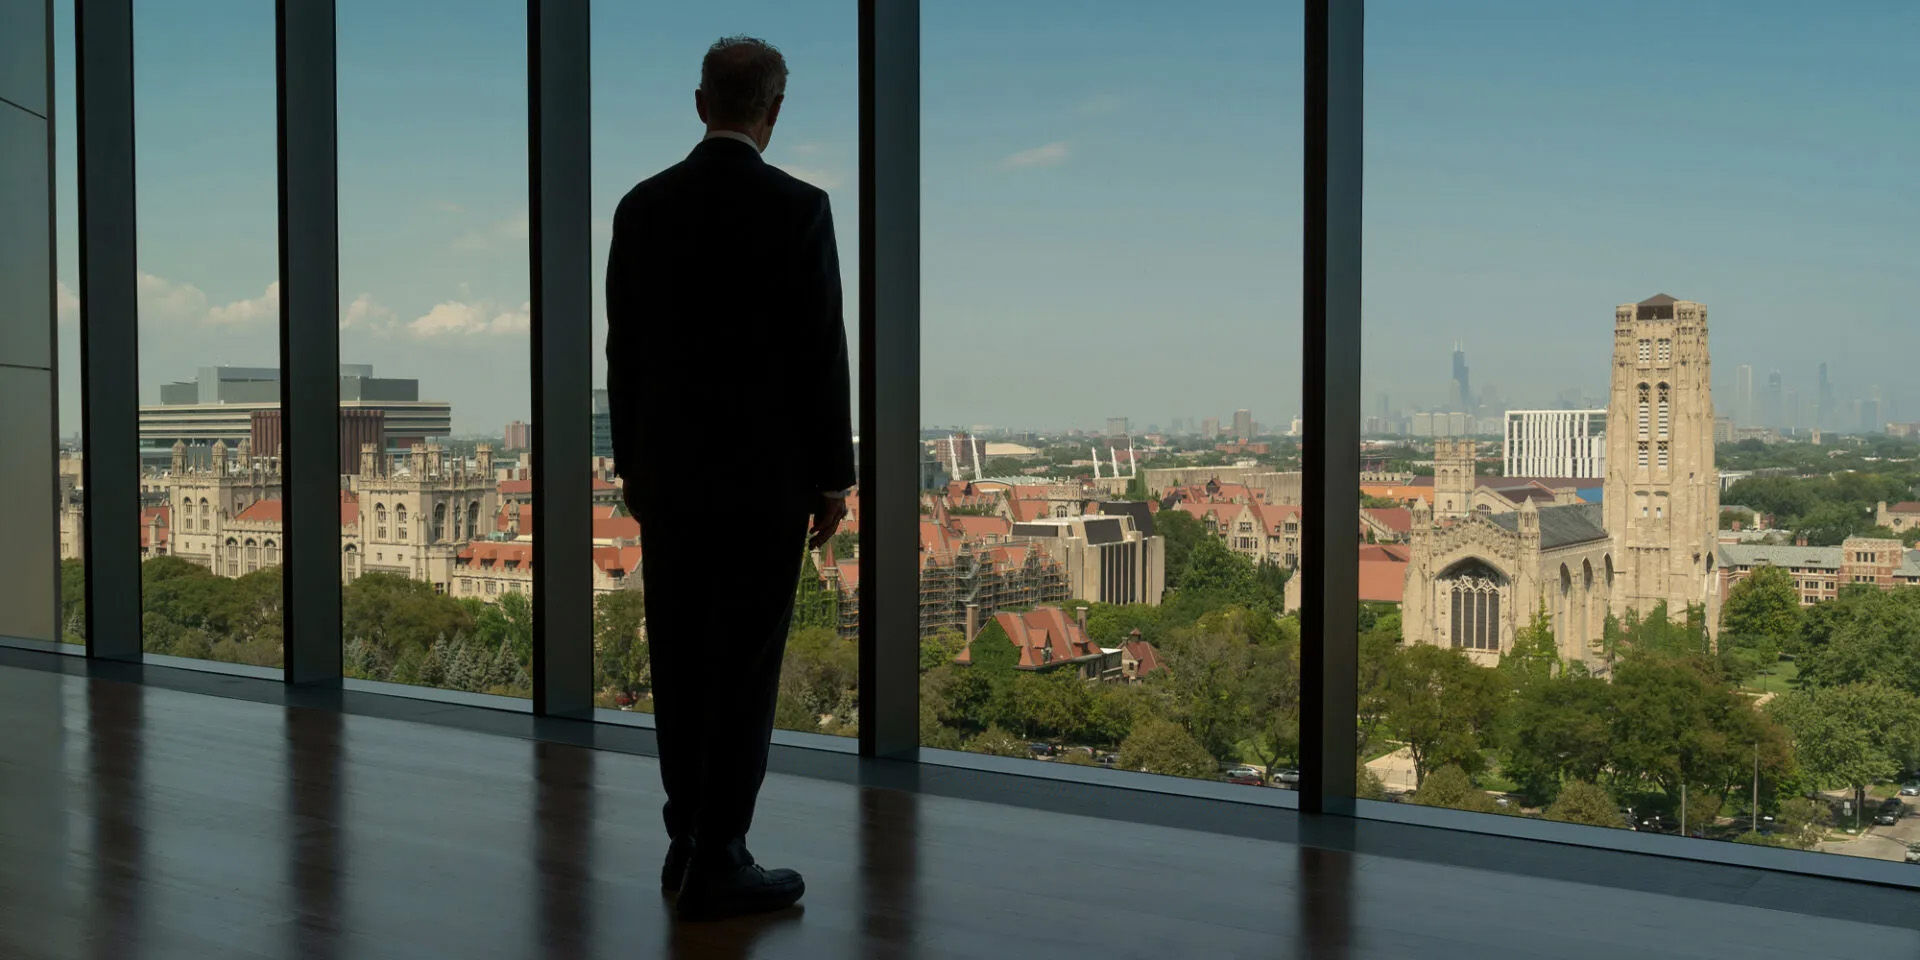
700	103
773	112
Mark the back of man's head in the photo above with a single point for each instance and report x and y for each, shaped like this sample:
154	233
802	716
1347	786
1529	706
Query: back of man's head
741	78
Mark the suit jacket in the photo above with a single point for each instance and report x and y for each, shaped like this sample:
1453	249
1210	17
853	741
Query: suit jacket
726	351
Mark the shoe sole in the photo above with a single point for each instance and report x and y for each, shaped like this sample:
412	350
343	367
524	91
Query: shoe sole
769	902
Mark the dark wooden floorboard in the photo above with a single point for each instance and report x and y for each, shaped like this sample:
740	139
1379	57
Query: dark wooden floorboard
139	822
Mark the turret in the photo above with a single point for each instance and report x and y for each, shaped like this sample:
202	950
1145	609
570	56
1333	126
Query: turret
178	465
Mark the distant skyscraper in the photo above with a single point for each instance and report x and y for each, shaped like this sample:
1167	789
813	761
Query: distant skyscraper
1210	428
1462	388
1793	421
1243	425
519	436
1743	395
1772	403
1117	427
1823	415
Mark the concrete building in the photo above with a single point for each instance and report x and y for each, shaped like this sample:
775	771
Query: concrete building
1107	558
1117	427
1243	425
1662	493
519	435
358	427
219	404
1555	443
1899	517
1210	427
602	425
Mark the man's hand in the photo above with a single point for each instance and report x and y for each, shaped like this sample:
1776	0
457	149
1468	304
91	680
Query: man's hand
827	514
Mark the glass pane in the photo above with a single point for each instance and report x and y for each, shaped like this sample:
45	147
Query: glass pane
1110	383
646	66
1697	587
436	507
209	329
71	489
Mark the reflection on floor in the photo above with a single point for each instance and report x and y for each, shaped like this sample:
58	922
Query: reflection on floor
142	822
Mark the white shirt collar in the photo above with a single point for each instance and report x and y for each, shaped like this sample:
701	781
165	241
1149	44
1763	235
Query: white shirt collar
731	135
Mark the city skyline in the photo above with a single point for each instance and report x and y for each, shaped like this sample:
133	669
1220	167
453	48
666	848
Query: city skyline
1059	212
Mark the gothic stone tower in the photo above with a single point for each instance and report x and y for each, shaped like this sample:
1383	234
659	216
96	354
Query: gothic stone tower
1662	490
1454	466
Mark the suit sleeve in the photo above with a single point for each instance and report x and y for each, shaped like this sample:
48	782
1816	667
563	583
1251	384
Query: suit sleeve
622	334
832	441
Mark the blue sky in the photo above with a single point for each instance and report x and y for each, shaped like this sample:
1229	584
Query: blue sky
1111	190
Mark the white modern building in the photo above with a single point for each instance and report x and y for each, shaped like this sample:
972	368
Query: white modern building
1556	443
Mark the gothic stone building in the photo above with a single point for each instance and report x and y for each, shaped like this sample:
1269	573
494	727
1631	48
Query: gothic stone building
1485	560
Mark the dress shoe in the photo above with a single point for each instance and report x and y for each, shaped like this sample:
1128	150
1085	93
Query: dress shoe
674	871
727	883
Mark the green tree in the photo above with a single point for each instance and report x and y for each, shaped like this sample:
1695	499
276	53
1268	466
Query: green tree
997	742
1851	736
819	676
1366	785
1556	731
1588	803
1159	746
1212	568
1535	655
1441	706
814	603
1761	613
1181	533
620	661
1676	722
939	648
73	601
1450	786
1863	635
1800	822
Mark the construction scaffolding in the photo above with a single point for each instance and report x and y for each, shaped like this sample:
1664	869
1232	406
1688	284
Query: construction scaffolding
982	574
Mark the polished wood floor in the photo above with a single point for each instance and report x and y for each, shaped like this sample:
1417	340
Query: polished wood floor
144	822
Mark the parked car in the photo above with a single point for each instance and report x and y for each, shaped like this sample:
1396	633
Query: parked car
1040	749
1242	772
1889	812
1250	781
1106	759
1910	789
1913	853
1288	778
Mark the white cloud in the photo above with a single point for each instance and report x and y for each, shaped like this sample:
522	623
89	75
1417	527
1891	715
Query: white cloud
808	149
366	314
263	308
1043	156
513	321
455	318
1098	106
67	303
502	234
824	179
448	206
166	300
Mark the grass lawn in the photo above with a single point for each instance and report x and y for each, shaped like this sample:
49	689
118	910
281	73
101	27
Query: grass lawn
1776	680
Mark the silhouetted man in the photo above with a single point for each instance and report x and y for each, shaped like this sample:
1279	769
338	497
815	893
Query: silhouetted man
727	377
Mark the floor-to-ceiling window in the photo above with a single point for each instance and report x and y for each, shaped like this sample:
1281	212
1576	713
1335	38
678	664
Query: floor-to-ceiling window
1110	384
646	66
209	335
436	417
1702	622
69	488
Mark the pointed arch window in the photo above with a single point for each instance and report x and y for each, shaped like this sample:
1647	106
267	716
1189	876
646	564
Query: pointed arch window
1665	409
1643	411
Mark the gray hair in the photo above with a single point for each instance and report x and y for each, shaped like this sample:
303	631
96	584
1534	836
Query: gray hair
741	77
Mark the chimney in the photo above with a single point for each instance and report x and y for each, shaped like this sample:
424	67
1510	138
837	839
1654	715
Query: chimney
1080	614
973	620
1736	526
1800	540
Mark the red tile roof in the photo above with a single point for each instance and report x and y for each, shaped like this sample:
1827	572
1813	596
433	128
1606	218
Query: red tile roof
603	511
1396	519
609	528
260	511
617	561
935	540
974	528
349	509
1148	657
1273	518
503	518
148	515
1045	636
496	555
515	487
1028	509
1905	506
1383	572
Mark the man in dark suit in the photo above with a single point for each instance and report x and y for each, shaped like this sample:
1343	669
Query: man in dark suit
727	379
